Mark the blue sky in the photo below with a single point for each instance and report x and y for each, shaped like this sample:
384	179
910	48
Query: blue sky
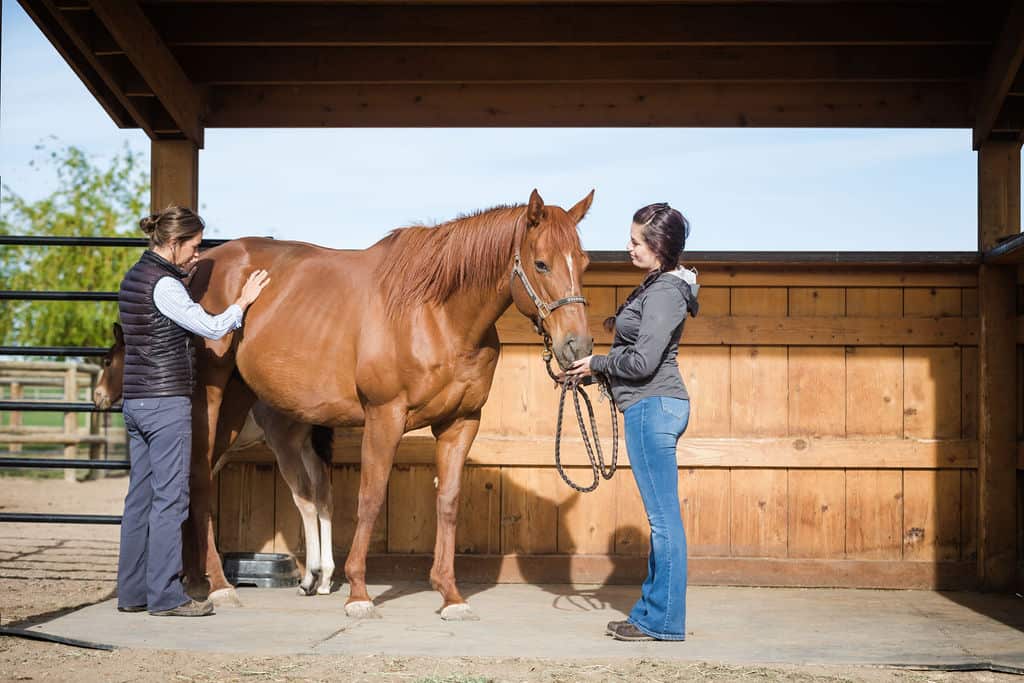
743	189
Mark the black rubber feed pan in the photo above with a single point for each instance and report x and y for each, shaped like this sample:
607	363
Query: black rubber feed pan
263	570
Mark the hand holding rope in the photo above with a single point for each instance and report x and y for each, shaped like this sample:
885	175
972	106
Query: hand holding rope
597	463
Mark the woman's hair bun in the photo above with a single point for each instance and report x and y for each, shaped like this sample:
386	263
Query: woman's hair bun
148	224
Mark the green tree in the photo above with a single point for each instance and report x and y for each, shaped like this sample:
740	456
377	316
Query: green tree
90	201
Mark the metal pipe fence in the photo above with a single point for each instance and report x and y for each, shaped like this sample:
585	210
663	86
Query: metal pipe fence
74	351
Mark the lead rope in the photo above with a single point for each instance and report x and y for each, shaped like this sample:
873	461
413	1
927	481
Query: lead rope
575	384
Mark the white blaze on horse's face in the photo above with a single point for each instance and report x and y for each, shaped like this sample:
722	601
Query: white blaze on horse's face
553	262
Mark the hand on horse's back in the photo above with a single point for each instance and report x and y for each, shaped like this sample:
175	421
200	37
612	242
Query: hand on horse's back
253	286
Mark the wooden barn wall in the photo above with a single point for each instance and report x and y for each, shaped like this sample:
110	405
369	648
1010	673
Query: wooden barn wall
833	442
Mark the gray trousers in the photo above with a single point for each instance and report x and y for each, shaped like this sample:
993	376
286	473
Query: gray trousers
160	446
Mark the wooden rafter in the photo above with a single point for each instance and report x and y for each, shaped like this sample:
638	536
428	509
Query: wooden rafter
73	46
480	64
909	105
147	52
1007	56
563	23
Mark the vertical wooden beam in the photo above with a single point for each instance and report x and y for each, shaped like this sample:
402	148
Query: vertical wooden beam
71	419
998	191
174	174
998	215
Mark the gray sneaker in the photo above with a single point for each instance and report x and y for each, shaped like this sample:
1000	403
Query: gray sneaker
192	608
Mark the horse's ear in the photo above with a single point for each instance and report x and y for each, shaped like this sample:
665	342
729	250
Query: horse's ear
577	212
118	333
534	210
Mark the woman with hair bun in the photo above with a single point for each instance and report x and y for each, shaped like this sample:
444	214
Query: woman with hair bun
158	318
643	373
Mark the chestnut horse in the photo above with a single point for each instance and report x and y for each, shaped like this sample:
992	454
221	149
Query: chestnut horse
303	453
393	338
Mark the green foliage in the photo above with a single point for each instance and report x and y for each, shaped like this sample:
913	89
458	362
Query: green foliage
89	201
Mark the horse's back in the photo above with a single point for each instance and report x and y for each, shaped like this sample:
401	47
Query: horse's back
292	350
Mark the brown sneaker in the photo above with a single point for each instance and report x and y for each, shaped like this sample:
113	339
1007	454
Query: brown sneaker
191	608
628	631
612	625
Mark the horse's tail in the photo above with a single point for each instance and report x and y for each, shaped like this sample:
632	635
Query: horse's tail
323	442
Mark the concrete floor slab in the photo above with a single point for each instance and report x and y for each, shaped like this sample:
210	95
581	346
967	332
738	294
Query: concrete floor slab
725	624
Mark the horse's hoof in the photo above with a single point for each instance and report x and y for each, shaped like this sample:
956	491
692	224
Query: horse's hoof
362	609
460	611
324	590
306	590
225	597
197	590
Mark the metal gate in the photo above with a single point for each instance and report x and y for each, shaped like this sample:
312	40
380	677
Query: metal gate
90	351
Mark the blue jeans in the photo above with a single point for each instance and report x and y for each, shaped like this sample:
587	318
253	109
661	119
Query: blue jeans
653	426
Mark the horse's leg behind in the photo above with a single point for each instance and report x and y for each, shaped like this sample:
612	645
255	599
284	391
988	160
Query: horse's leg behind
453	441
381	435
219	409
316	457
288	439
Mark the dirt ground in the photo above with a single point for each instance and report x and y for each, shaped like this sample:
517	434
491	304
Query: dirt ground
47	569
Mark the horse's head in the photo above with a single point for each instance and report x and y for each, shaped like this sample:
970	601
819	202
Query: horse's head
110	383
551	262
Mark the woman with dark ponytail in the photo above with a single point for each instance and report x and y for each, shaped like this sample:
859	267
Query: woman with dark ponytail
644	376
158	319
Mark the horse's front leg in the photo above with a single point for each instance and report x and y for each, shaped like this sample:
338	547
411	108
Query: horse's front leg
213	431
453	442
381	435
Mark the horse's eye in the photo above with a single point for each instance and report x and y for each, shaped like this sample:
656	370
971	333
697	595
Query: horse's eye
541	267
106	362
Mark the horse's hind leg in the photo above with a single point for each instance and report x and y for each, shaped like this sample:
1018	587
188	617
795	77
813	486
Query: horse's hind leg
453	442
288	439
318	471
384	428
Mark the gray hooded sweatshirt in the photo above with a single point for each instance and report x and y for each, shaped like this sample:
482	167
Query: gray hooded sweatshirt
642	361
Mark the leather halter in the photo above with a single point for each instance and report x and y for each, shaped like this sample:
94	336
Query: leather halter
543	309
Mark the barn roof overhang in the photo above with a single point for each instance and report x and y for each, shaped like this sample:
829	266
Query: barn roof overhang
176	67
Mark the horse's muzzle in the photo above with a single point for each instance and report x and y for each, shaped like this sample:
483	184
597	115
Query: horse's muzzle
572	348
101	399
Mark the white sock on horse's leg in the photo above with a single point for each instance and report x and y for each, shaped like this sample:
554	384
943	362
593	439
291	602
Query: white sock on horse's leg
309	527
326	556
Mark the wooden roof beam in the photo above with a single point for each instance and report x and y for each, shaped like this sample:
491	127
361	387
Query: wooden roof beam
288	65
566	23
69	33
925	105
145	48
1003	66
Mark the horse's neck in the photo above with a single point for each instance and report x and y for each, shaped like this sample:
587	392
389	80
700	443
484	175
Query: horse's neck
475	313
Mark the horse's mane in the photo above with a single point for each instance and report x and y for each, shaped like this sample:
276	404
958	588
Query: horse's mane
430	264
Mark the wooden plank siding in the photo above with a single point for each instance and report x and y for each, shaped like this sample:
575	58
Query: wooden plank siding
851	463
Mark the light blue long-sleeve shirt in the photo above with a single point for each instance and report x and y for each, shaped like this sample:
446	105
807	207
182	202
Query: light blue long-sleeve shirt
173	300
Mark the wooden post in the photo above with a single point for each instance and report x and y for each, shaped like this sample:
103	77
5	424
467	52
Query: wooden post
998	215
174	170
16	395
71	418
